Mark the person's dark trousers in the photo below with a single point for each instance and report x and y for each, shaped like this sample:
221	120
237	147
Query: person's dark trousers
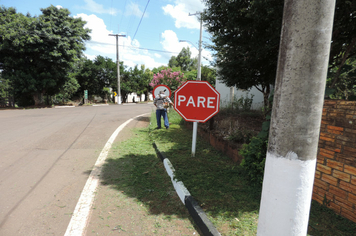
162	113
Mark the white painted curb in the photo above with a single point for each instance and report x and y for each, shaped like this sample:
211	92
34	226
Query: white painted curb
63	106
100	105
181	190
195	211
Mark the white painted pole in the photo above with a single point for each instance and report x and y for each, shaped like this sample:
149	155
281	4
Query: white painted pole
296	115
195	124
194	139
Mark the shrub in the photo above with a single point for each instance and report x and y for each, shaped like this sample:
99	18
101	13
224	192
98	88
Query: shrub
254	155
243	103
241	136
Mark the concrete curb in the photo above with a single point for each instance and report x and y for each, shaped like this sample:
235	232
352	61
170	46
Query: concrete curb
206	227
63	106
100	105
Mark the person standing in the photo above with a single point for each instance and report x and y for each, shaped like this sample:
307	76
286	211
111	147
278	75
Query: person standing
161	102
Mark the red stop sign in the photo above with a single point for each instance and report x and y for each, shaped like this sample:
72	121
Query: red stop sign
196	101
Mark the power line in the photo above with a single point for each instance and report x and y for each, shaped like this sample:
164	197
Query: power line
141	19
148	49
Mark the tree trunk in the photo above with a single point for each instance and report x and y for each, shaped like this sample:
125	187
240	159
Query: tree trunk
38	99
266	92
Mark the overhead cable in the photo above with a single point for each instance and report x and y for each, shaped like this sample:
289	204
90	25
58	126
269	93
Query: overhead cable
155	50
141	19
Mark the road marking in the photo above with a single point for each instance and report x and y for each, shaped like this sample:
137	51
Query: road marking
83	208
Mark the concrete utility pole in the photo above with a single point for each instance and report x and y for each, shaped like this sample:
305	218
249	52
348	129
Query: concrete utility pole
118	66
296	115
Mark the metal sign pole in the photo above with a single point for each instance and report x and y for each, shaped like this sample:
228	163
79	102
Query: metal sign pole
195	124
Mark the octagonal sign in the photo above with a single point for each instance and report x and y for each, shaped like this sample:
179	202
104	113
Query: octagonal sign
196	101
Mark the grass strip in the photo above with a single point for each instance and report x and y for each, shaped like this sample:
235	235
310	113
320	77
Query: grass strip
215	182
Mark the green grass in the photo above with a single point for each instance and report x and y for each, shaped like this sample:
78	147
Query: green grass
217	183
212	178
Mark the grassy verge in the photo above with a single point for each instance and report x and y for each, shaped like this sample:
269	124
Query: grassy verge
212	178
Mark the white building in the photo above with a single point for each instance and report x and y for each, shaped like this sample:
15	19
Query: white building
227	93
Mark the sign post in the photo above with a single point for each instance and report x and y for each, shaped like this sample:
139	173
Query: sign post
85	96
196	101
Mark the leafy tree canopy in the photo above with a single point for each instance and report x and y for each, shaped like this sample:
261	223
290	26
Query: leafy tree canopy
36	53
341	77
184	61
246	35
96	75
246	41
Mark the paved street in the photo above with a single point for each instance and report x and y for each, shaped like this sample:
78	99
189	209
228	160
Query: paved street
46	156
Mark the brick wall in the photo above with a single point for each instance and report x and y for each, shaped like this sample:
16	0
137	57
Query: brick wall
335	177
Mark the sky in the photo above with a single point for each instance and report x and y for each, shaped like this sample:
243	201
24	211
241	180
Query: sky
152	29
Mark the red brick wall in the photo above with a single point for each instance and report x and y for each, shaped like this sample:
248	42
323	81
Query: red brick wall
335	177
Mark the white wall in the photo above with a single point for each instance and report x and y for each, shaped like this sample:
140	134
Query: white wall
225	95
138	98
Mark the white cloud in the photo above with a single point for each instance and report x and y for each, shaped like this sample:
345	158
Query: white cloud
103	44
180	13
98	8
171	43
91	57
59	7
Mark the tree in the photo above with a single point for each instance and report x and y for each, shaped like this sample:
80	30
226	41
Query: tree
147	77
208	74
343	46
183	61
173	62
138	80
5	91
167	77
246	35
246	41
37	52
96	75
345	86
68	89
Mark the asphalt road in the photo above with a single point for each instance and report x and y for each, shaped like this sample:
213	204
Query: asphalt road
46	156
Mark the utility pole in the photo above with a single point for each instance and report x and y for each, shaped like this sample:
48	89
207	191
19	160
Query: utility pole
296	116
118	66
195	124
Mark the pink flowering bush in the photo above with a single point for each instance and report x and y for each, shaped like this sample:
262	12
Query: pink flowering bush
167	77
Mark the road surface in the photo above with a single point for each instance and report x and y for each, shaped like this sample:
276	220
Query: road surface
46	156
